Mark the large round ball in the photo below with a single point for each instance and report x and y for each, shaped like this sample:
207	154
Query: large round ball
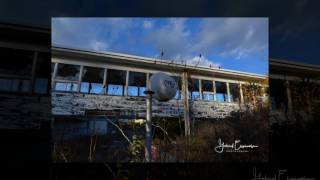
163	86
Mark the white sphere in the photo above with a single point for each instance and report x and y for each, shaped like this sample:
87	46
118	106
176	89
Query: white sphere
163	86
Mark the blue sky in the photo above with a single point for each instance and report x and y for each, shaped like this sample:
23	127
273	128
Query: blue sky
232	43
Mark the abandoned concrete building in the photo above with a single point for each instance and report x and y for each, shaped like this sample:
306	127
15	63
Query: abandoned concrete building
24	77
112	84
294	90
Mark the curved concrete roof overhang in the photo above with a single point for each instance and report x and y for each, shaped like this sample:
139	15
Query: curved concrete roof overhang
289	68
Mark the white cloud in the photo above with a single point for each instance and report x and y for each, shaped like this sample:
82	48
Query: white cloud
202	62
98	45
234	38
147	24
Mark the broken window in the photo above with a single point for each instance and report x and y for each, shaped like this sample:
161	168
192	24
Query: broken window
15	85
116	81
15	70
193	89
67	72
42	76
92	80
66	86
234	92
137	84
52	68
207	90
178	81
221	91
278	94
16	62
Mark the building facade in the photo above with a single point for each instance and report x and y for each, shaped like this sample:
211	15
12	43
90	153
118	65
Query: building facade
112	84
294	90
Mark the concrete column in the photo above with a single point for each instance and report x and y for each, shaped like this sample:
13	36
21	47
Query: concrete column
54	74
228	92
33	73
127	83
147	83
186	104
241	94
289	96
105	81
214	91
80	78
200	89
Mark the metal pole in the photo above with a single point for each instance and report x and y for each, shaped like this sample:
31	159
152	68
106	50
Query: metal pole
148	138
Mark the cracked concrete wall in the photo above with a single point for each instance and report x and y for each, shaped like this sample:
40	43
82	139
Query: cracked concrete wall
78	104
23	111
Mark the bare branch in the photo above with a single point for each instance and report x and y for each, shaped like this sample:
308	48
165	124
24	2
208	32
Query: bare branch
119	130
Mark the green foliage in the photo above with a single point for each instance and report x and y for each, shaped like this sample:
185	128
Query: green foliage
63	153
136	149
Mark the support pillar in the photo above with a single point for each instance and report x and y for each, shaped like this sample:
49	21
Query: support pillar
241	94
127	83
54	75
214	91
228	91
186	104
148	137
80	78
289	100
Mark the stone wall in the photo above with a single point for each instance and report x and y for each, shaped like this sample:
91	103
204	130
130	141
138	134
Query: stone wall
78	104
23	111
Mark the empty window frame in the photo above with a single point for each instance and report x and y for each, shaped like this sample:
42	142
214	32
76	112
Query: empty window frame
179	85
234	92
193	89
92	80
67	77
207	90
116	81
221	91
137	83
16	62
16	69
42	76
68	72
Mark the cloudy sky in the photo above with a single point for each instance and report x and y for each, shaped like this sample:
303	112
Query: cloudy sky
232	43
